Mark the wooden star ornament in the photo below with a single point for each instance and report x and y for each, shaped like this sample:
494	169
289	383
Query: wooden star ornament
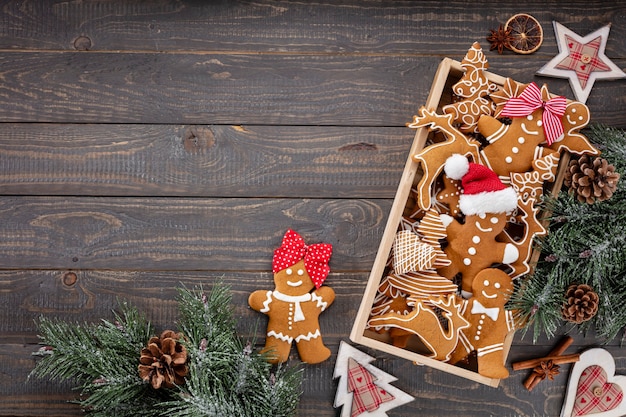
582	60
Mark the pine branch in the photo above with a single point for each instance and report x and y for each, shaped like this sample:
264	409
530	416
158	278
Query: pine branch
586	244
232	379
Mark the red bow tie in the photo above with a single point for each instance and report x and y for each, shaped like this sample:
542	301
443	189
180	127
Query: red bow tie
530	100
293	249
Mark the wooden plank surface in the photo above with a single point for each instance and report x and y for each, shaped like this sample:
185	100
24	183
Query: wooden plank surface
201	160
243	89
146	145
365	27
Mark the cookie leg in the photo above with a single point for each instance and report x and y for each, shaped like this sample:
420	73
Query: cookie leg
491	361
277	349
313	350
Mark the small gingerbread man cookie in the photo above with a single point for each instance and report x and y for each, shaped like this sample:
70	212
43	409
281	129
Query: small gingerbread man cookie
292	307
489	323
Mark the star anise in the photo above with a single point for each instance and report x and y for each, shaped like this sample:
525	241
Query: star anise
500	38
547	370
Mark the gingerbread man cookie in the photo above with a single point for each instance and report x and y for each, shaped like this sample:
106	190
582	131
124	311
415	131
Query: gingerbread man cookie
293	308
486	203
489	323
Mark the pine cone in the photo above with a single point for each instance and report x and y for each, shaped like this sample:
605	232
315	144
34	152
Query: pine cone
581	303
164	361
591	179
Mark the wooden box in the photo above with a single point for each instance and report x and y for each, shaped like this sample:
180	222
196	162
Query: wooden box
449	72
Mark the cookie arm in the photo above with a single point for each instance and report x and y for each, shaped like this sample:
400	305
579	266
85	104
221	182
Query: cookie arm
259	300
327	294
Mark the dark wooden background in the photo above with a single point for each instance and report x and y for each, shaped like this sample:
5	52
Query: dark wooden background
148	144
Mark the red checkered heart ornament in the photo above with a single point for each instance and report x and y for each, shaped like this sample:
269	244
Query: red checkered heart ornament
594	389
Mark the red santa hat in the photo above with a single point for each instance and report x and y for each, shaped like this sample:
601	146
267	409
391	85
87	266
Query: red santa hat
483	192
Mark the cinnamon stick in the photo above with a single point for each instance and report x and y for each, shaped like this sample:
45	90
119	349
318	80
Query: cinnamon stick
534	379
557	360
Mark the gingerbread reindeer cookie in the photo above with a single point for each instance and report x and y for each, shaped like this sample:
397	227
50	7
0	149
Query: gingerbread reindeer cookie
293	308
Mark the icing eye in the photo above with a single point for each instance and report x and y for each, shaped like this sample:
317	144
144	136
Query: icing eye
494	220
539	123
289	271
486	283
300	272
482	215
497	285
529	117
574	110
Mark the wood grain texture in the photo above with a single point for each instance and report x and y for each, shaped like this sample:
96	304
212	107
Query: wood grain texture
365	27
148	145
201	161
245	89
182	234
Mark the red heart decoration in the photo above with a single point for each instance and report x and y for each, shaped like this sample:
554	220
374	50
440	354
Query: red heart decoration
360	379
594	394
571	44
582	67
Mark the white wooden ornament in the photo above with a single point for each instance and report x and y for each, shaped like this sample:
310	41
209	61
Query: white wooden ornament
550	69
343	398
604	359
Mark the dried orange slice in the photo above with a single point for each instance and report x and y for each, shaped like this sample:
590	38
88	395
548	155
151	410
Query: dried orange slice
526	34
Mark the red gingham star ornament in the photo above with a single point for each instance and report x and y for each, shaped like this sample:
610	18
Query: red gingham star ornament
293	249
582	60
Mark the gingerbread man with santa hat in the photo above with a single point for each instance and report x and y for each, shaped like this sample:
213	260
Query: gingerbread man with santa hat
298	299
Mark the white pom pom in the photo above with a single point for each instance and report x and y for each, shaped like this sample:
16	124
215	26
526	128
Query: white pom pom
456	166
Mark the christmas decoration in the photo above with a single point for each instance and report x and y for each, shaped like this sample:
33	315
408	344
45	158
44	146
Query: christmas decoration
581	303
581	60
294	305
522	34
500	39
526	34
585	245
591	179
164	361
122	369
363	389
544	370
593	388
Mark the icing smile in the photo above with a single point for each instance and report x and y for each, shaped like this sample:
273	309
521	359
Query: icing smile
294	284
529	132
488	296
479	227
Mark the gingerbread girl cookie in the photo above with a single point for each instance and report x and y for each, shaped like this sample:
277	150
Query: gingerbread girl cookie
292	307
489	323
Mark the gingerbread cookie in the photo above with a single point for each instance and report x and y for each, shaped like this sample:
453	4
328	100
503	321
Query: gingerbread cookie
293	308
489	323
424	322
486	203
473	88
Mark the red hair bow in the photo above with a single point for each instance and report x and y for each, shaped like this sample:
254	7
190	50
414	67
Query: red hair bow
529	101
293	249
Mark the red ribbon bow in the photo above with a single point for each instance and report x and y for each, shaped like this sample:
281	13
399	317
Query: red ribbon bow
293	249
530	100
